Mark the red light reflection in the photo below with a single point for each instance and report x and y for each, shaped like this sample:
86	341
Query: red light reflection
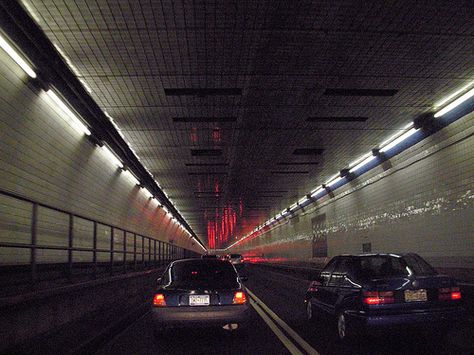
216	135
193	136
221	229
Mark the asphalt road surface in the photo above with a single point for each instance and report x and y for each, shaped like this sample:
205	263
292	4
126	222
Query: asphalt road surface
279	326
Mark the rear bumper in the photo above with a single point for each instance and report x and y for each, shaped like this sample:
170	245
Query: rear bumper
200	316
413	318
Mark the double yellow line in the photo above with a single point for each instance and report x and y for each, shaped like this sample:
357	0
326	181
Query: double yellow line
277	325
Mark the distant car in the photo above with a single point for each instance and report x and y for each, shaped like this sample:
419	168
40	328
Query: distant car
238	261
209	256
200	292
376	291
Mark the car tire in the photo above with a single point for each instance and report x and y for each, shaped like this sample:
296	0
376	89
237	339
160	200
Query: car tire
345	330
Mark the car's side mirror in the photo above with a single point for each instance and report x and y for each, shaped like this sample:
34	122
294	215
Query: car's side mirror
243	278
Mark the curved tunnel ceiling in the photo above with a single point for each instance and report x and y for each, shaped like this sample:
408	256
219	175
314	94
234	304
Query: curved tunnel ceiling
239	108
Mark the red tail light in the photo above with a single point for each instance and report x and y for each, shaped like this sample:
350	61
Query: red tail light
449	294
313	287
239	298
378	297
159	300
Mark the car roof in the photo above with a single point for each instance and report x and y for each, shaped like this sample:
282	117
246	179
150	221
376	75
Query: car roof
396	255
199	261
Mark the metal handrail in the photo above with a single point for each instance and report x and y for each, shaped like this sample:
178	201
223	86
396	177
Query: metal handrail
157	251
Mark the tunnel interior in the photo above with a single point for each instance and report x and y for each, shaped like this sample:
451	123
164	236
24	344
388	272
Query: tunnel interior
136	133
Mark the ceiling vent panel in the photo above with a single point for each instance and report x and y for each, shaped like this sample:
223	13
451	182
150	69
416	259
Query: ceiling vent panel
289	172
200	173
206	164
308	151
204	119
297	163
206	152
338	119
360	92
203	92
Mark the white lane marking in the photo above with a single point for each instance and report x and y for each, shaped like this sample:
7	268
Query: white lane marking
283	338
296	337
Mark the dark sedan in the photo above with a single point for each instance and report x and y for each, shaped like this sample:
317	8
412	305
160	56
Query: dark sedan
200	292
376	291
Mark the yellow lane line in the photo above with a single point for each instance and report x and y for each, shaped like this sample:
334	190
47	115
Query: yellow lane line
296	337
283	338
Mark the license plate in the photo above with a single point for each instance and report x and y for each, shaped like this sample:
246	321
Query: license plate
415	295
199	300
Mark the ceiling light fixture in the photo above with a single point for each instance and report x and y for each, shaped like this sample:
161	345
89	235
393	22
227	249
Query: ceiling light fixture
147	192
455	103
16	57
303	200
112	157
73	119
362	161
127	173
398	140
316	191
453	95
333	179
396	135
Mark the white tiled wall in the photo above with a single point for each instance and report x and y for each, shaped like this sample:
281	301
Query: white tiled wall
43	158
423	202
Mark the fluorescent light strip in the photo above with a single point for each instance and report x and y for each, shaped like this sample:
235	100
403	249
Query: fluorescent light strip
74	120
395	136
303	200
332	178
148	193
87	87
112	157
367	160
399	140
452	96
455	103
131	177
316	191
17	58
333	182
357	161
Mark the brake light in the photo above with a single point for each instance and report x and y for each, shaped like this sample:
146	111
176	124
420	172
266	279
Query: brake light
313	287
449	294
239	298
378	297
159	300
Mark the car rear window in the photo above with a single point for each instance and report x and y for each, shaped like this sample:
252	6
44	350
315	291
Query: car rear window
217	275
379	266
418	265
209	257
